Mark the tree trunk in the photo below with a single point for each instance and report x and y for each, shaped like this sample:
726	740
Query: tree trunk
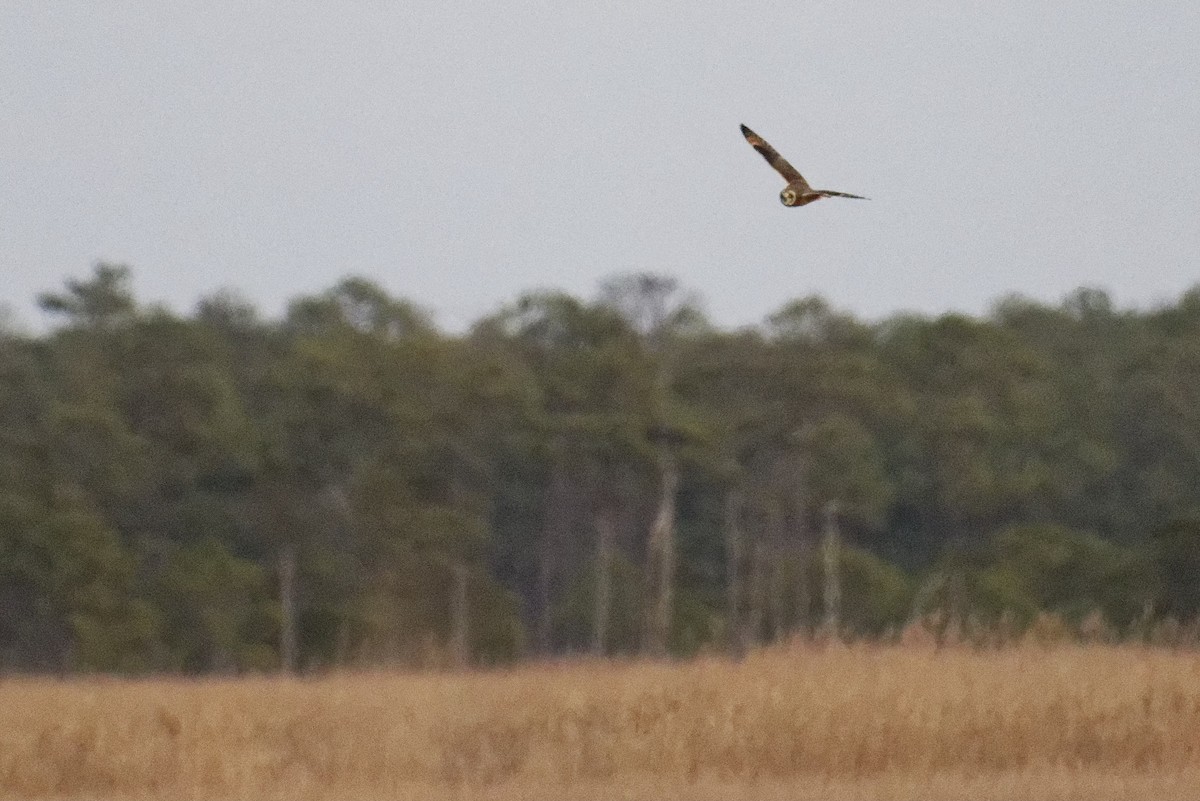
460	647
925	593
736	634
545	620
831	549
287	608
662	557
757	592
341	652
805	600
552	525
605	538
776	579
802	537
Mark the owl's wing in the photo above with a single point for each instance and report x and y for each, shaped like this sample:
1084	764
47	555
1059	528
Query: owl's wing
789	173
831	193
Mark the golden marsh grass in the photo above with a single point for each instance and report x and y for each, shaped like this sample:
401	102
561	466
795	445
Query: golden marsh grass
903	721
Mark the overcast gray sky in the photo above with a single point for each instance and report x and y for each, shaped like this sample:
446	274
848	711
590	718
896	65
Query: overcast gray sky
461	153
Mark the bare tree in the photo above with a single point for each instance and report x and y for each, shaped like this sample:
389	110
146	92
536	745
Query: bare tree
653	307
760	567
553	531
652	304
287	608
602	608
460	643
734	547
777	548
661	555
831	551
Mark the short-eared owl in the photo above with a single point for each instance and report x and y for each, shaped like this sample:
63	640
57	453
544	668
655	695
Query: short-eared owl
797	192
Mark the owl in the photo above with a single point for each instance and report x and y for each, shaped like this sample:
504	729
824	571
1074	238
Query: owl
797	192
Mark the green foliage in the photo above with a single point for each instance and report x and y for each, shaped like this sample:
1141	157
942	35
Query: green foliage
103	302
626	624
1176	553
68	569
844	465
497	632
696	624
217	610
154	467
877	596
402	614
1072	573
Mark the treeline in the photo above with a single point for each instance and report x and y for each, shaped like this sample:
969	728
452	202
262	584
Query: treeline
348	485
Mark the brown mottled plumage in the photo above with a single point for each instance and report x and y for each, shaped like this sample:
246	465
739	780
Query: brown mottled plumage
797	192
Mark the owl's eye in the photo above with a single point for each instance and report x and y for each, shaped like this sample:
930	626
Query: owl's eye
789	197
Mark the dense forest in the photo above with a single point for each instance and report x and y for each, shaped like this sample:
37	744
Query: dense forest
350	486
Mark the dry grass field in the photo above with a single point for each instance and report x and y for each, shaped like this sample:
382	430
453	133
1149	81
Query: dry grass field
837	722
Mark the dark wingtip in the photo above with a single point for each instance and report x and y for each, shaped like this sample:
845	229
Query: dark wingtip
746	132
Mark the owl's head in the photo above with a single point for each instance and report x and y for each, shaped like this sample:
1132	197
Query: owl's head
788	196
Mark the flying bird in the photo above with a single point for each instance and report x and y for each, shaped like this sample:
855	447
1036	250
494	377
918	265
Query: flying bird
797	192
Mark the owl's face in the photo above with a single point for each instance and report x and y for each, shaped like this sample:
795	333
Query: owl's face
788	196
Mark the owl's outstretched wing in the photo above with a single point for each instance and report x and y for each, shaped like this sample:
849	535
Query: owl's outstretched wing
789	173
831	193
